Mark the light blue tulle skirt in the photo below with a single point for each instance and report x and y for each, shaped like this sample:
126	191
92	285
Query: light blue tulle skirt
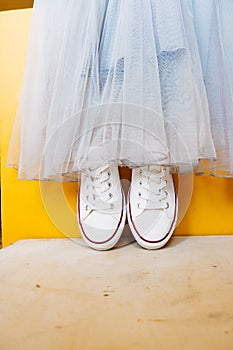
131	83
214	32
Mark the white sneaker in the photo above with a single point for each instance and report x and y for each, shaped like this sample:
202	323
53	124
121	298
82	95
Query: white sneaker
101	208
152	206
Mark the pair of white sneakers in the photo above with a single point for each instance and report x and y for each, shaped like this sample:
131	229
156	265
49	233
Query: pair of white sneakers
151	206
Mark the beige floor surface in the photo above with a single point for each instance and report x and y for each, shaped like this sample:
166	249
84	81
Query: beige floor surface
59	295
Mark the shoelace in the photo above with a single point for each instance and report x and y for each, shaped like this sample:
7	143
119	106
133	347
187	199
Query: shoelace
100	185
155	196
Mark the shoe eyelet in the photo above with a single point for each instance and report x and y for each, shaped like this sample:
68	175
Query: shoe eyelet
108	173
109	184
139	193
140	183
112	206
86	207
110	195
138	205
167	205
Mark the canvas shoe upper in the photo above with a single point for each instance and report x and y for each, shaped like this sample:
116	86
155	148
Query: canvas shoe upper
152	206
101	207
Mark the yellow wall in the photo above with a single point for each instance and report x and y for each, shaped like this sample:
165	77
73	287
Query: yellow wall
15	4
28	208
23	213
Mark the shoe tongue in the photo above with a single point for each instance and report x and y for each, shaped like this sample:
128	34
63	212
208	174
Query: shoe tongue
98	167
93	168
155	168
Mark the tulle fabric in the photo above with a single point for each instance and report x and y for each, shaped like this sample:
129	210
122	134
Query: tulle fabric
214	30
114	81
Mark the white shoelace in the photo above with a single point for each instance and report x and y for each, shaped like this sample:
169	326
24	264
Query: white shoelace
155	190
99	194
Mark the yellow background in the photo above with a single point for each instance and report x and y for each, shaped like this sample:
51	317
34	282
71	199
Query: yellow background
15	4
25	215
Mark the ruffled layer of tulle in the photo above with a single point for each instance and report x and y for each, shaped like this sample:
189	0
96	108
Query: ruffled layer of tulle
122	82
214	30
